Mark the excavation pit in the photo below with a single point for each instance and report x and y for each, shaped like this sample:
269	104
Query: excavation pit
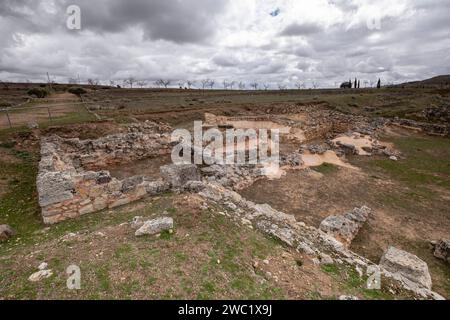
73	179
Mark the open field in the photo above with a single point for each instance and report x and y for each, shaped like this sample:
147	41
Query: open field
208	255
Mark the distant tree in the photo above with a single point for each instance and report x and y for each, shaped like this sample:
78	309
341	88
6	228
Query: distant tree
359	84
93	82
211	83
112	83
298	85
254	85
232	84
356	83
129	81
266	86
315	84
379	84
190	83
225	84
163	83
141	83
241	85
282	86
205	83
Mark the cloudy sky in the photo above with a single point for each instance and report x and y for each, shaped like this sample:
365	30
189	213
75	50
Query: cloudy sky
268	41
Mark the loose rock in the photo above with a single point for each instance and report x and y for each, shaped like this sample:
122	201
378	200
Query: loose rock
40	275
6	232
442	250
407	265
156	226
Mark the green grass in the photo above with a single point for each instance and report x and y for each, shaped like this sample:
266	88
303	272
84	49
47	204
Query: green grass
427	161
326	168
19	207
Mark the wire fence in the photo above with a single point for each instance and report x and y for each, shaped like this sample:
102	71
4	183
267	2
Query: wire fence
30	116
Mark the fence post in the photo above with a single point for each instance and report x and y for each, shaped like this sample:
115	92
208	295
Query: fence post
9	120
49	114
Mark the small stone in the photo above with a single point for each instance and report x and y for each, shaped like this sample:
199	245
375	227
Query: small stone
348	298
442	250
43	266
6	232
137	222
326	259
156	226
33	125
40	275
393	158
266	261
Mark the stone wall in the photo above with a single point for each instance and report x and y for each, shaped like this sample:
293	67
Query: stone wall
72	181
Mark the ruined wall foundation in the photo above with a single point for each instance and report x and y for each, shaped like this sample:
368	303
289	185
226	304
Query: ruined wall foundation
72	181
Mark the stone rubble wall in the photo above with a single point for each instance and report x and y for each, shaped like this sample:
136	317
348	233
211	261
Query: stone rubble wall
67	185
307	239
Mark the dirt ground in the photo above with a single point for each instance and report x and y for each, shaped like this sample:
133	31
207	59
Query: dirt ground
405	214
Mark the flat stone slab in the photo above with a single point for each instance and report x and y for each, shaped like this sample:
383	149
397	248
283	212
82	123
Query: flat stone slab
407	265
179	175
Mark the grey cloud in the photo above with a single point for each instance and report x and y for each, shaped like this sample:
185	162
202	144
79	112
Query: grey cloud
305	29
171	20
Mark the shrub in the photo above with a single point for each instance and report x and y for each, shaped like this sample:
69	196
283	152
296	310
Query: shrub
77	91
4	104
38	92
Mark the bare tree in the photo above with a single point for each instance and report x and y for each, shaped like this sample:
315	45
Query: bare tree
211	83
180	84
254	85
190	83
232	84
112	83
225	84
282	86
301	85
93	82
163	83
266	86
241	85
315	84
129	81
141	83
205	83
